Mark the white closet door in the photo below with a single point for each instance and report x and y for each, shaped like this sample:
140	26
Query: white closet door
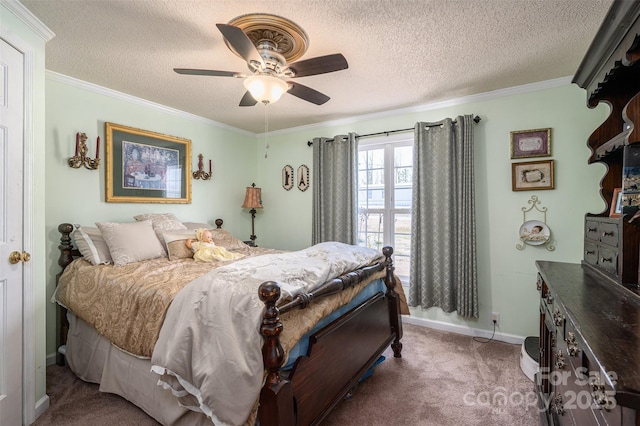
11	233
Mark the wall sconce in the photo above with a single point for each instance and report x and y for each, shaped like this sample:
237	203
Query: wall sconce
200	173
81	158
253	201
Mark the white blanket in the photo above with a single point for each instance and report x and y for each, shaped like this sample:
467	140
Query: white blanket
209	352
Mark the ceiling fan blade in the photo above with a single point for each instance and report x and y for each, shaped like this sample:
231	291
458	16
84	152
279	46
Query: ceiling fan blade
307	93
319	65
247	100
214	73
241	43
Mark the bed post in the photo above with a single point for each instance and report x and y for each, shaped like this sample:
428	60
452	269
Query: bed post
65	258
394	302
276	397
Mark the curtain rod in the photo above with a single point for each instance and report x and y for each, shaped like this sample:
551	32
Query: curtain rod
476	120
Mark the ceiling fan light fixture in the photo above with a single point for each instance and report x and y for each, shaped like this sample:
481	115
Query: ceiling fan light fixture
265	88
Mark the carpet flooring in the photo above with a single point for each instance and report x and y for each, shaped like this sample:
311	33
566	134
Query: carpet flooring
442	379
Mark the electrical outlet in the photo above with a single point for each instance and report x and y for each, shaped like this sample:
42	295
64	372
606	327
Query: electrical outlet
495	318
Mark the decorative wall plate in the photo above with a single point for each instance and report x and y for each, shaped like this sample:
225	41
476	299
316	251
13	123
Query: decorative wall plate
287	177
534	232
303	178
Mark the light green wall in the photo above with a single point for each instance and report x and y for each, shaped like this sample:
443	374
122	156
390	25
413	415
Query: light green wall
78	195
506	275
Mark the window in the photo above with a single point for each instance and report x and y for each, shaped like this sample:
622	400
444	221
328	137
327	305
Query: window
385	172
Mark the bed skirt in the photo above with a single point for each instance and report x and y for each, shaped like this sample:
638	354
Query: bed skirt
93	359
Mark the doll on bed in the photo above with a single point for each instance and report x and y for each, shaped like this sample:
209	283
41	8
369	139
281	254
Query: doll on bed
205	250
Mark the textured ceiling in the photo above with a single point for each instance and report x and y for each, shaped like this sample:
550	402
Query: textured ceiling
401	53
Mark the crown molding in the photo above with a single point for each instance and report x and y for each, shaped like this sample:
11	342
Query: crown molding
100	90
29	19
496	94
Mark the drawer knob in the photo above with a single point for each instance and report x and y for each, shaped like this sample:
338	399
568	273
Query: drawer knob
557	317
592	229
607	234
572	344
606	260
560	364
557	404
590	252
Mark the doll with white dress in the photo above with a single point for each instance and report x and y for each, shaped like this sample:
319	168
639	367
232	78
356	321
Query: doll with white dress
205	250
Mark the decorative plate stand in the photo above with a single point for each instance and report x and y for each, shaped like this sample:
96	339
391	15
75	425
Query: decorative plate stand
535	232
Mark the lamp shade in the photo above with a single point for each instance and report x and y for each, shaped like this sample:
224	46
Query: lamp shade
265	88
252	198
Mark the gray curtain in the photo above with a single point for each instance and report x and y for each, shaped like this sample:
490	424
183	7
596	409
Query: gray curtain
443	240
334	183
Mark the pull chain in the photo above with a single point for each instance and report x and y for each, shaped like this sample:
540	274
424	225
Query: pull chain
266	129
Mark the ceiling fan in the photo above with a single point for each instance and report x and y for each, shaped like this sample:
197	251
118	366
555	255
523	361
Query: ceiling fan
269	44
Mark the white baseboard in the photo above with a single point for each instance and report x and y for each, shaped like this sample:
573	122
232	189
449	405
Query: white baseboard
460	329
51	359
42	405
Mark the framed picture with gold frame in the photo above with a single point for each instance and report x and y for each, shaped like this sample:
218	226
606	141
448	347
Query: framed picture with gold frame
146	167
532	175
531	143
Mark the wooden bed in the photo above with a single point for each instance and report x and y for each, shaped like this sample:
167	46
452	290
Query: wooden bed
338	355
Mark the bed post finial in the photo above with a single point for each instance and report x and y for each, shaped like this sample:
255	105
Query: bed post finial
276	397
66	248
218	223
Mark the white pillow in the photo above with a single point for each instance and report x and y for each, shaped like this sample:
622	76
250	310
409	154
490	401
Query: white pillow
131	242
162	222
91	245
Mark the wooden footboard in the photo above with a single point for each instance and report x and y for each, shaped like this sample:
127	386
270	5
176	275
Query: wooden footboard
339	355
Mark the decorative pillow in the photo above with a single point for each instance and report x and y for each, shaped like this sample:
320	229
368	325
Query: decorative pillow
131	242
223	238
176	244
91	245
162	222
196	225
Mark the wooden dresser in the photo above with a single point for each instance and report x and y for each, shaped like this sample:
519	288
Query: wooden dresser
589	348
590	312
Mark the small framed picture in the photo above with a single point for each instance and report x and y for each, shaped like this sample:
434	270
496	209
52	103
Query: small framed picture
532	175
616	203
531	143
287	177
303	178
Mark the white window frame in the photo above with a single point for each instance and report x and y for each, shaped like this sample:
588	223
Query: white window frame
388	143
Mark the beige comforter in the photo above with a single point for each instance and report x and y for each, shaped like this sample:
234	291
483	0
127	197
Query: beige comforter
127	304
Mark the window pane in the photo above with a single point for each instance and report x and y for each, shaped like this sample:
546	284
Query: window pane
371	230
403	156
402	197
402	244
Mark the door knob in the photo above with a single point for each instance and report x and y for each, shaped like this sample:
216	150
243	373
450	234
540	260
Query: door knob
16	257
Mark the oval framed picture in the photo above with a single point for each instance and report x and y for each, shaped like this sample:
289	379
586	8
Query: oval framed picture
287	177
302	179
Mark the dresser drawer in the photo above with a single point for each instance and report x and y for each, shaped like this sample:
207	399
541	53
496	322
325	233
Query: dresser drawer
609	234
608	260
591	230
591	253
